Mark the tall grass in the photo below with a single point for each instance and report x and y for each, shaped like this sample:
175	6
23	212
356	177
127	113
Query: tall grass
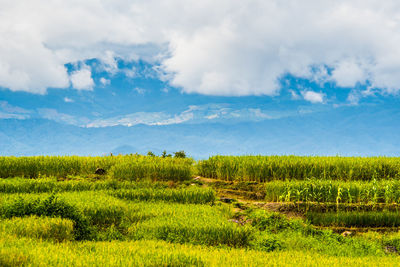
51	207
153	168
355	219
130	167
196	224
58	166
57	229
17	252
51	184
268	168
191	195
333	191
98	211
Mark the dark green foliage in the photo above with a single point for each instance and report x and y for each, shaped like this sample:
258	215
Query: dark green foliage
51	207
278	232
355	219
272	222
165	155
180	154
269	243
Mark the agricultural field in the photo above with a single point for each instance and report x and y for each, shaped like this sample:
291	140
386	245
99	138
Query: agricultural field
152	210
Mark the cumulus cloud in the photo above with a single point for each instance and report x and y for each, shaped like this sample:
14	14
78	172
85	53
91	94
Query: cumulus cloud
213	47
313	97
348	73
82	79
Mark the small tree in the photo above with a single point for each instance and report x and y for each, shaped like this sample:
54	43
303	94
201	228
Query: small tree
151	154
165	155
180	154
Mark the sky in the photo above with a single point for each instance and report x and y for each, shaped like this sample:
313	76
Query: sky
98	64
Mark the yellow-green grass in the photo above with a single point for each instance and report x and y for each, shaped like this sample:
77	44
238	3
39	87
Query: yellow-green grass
28	252
200	224
53	184
268	168
56	229
143	191
154	168
130	167
193	195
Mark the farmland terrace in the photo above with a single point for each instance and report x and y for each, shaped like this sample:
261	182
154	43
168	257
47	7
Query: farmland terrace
152	210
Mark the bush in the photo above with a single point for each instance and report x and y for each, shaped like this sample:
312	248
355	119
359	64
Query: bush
51	207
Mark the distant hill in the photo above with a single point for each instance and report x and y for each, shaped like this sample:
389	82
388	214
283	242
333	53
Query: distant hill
310	134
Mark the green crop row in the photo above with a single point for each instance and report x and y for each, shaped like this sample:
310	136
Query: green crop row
355	219
268	168
51	184
130	167
193	195
333	191
232	168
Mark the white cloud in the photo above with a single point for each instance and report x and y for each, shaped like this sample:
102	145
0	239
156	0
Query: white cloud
139	90
104	81
212	116
109	62
348	73
8	111
214	47
52	114
82	79
313	97
130	73
68	100
149	118
294	95
193	114
55	115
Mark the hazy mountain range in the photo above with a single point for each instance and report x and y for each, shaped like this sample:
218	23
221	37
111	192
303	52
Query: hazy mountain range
310	134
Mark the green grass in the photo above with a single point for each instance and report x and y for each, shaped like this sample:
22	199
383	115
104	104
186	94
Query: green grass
153	168
56	229
52	184
192	195
16	252
146	211
268	168
130	167
333	191
355	219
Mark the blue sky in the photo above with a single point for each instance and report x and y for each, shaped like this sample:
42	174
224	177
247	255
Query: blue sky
101	64
133	93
